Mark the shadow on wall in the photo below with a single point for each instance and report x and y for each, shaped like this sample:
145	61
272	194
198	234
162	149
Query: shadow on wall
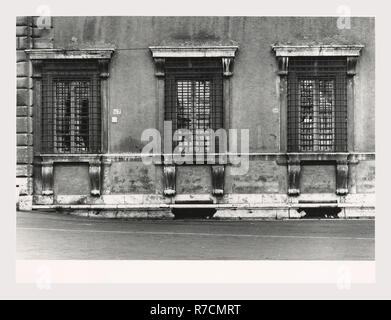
193	213
321	212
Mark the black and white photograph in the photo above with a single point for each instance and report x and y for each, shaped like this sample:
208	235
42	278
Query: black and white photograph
147	139
196	138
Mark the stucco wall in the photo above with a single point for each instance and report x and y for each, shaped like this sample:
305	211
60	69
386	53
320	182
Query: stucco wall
254	84
254	94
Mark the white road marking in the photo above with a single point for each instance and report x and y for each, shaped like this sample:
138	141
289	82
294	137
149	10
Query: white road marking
195	234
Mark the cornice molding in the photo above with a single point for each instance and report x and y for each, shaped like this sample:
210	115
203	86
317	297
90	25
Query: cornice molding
193	51
55	54
317	50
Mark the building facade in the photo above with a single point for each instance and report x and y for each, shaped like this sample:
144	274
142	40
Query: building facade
303	87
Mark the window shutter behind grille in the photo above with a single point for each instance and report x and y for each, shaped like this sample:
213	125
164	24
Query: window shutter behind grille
202	79
329	76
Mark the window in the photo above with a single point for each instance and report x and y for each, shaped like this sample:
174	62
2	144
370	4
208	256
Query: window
71	109
194	99
317	104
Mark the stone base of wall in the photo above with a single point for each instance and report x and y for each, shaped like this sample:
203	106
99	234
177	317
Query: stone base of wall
164	212
263	213
25	203
347	213
123	214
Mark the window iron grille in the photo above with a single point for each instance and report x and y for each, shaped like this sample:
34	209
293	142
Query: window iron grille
194	101
71	113
317	105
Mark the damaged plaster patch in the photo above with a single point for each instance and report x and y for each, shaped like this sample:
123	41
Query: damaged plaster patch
132	177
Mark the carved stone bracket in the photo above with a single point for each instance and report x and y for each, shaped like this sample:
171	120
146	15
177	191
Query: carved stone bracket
227	66
103	68
218	180
294	170
169	179
159	67
351	65
47	177
283	63
342	173
94	171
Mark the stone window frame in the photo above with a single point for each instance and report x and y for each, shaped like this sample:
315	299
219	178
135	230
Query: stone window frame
295	160
38	58
227	54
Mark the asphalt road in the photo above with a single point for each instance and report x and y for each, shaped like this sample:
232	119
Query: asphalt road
44	235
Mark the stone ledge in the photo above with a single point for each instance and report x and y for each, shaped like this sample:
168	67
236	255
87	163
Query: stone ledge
128	214
317	50
44	54
193	51
165	212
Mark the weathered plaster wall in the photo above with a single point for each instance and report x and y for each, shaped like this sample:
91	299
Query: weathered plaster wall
134	177
317	179
254	84
365	177
78	184
262	177
194	179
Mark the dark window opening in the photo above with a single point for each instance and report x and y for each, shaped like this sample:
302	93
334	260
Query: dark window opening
194	100
317	105
71	112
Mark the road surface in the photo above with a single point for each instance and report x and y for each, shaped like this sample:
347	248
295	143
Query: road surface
49	235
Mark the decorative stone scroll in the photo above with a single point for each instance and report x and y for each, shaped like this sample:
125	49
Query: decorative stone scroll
169	180
218	180
342	173
94	171
294	170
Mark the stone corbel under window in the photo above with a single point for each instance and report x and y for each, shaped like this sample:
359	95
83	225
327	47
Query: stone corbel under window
296	160
218	180
226	53
169	180
294	169
47	165
342	174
